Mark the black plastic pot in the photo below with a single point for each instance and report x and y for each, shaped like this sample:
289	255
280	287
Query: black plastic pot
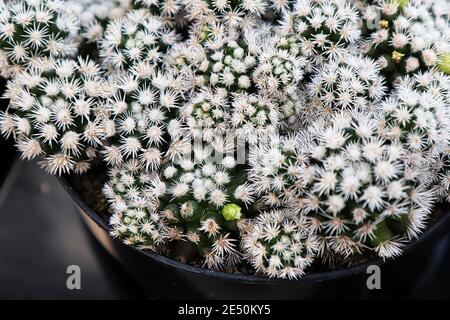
162	277
7	150
7	157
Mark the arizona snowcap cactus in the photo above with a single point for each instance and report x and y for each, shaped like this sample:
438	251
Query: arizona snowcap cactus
406	36
35	31
135	213
272	137
347	83
280	244
58	114
362	193
323	29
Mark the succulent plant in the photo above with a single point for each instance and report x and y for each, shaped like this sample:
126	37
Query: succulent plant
404	36
144	93
229	12
238	135
436	85
254	117
444	63
232	69
136	38
206	114
57	112
280	67
356	187
348	83
279	244
32	31
135	217
158	7
419	120
140	122
94	16
204	199
323	29
362	194
195	201
226	60
276	171
240	61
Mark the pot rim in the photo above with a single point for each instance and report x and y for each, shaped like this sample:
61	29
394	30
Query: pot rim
435	227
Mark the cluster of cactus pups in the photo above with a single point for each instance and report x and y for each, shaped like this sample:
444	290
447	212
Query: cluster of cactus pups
262	135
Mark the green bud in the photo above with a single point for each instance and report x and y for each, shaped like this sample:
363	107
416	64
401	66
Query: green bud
231	212
444	63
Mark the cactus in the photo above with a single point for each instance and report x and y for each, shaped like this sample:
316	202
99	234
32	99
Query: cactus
253	117
204	200
224	60
348	83
135	217
362	194
233	68
436	85
419	120
94	17
276	171
280	245
57	113
33	32
232	13
172	12
160	8
432	82
136	38
323	29
256	136
444	63
357	188
198	202
252	61
206	115
280	67
139	110
144	94
407	39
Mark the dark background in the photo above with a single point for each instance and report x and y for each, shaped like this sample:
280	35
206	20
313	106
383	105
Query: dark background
42	233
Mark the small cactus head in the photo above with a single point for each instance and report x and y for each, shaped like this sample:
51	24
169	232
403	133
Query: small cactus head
363	194
324	29
58	116
34	32
280	245
135	218
135	40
